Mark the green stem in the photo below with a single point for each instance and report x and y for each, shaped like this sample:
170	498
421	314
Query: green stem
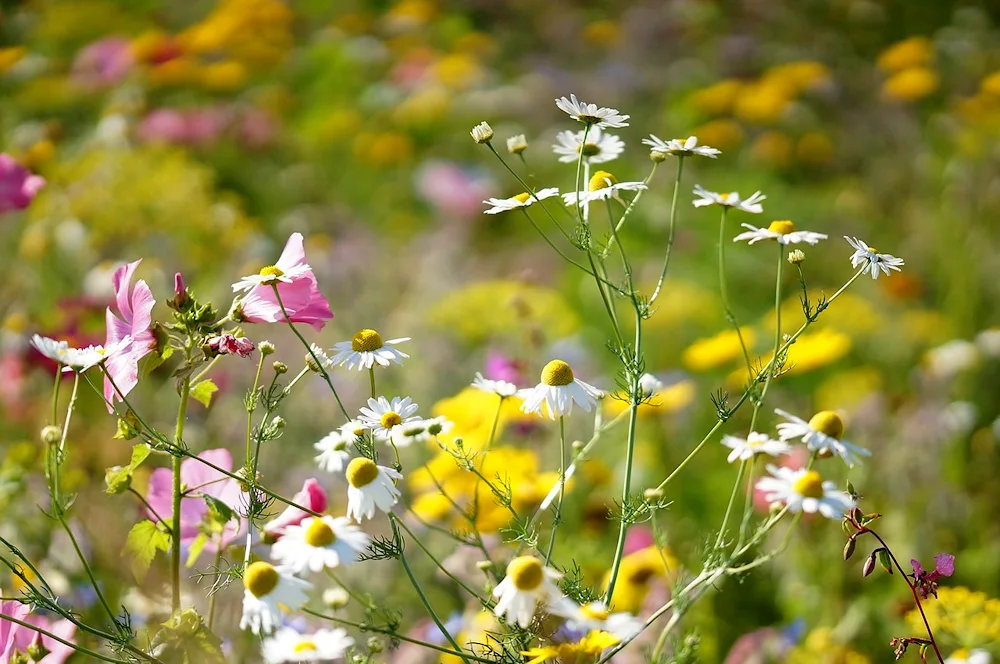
732	501
616	227
363	601
88	570
722	290
175	529
55	395
670	233
251	407
371	376
562	488
70	644
440	566
212	593
777	337
56	459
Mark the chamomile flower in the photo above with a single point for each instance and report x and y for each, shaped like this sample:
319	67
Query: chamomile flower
501	388
650	384
282	271
366	349
876	261
558	389
323	645
804	491
590	114
333	451
521	200
730	200
482	133
81	359
602	186
319	543
382	415
755	443
821	434
598	149
420	431
266	587
783	231
680	147
527	583
597	616
370	486
587	648
517	144
50	348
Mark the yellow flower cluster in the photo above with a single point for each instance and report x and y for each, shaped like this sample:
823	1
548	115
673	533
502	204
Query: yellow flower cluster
637	570
762	101
907	64
819	647
961	617
583	650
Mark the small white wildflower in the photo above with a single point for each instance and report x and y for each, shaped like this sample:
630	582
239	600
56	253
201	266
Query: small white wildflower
680	147
744	449
319	543
323	645
482	133
783	231
558	390
498	387
598	149
382	415
527	584
517	144
602	186
370	486
730	200
266	589
521	200
590	114
804	491
821	434
876	261
366	349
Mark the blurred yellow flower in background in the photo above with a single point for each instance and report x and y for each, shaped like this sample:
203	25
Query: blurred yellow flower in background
961	617
717	99
845	389
820	647
602	34
911	52
721	134
763	102
637	570
10	56
799	76
911	84
717	350
817	349
670	399
814	148
472	411
772	148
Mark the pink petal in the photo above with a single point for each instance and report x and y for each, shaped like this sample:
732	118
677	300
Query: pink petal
121	280
944	564
294	254
312	496
918	570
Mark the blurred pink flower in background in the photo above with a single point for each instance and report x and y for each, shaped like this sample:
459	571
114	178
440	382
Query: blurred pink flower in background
257	128
452	190
638	538
501	367
11	381
18	186
103	63
135	310
312	496
14	637
196	127
163	125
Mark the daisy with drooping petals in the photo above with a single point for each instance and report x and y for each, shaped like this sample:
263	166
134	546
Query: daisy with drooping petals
501	388
590	114
382	415
521	200
597	616
821	434
527	584
602	186
420	431
366	349
272	275
680	147
783	231
876	261
77	359
266	588
555	394
323	645
50	348
755	443
333	451
804	491
370	486
598	149
730	200
319	543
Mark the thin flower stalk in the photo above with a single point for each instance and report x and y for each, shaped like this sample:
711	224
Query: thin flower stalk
670	232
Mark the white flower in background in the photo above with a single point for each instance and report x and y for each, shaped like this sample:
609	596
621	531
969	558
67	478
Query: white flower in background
77	359
318	544
285	270
730	200
517	144
333	451
590	114
555	394
988	342
649	384
598	149
382	415
951	357
680	147
804	491
596	615
821	434
482	133
521	200
266	587
370	486
974	656
876	261
755	443
602	186
324	645
498	387
50	348
420	431
527	584
783	231
320	354
366	349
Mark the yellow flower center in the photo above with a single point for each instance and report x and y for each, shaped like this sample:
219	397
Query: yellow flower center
361	472
809	485
828	422
723	197
271	271
602	180
260	578
303	646
525	572
781	227
391	419
319	534
872	250
523	197
589	149
557	373
366	341
595	610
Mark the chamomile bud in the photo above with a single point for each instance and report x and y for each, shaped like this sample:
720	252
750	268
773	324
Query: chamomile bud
657	157
375	644
280	368
335	598
796	256
51	435
482	133
265	347
517	144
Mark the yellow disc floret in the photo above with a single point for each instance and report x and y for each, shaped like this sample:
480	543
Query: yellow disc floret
523	197
557	373
271	271
319	534
595	610
602	180
809	485
525	572
829	423
781	227
390	419
365	341
260	578
303	646
361	472
589	149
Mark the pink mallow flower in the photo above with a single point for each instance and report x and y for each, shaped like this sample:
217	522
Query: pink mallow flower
296	284
926	582
17	638
198	480
135	309
18	186
312	496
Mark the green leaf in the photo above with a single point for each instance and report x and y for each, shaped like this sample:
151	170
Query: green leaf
197	546
203	391
184	639
218	510
154	361
884	560
119	478
143	541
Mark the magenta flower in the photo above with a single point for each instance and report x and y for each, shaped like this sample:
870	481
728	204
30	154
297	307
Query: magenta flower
198	480
18	186
926	582
312	496
227	344
135	309
501	367
103	63
14	637
296	285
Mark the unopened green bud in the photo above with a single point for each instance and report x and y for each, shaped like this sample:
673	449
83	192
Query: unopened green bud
484	564
578	445
652	494
51	435
278	422
280	368
657	157
18	657
375	644
265	347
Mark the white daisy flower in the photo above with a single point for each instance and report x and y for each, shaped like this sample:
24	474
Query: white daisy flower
265	588
283	271
482	133
680	147
527	584
590	114
782	230
756	443
317	544
382	416
821	434
521	200
320	354
50	348
370	486
365	350
876	261
602	186
81	359
974	656
333	451
650	384
730	200
804	491
499	387
324	645
596	615
517	144
554	396
420	431
598	149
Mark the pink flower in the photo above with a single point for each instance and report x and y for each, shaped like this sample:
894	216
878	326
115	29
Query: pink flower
18	186
501	367
103	63
164	125
301	297
638	538
312	496
198	480
452	190
14	637
135	310
926	582
227	344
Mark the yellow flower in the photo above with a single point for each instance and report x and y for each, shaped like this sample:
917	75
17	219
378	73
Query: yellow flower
817	349
911	84
846	389
911	52
991	84
819	647
716	99
797	76
603	33
472	411
637	570
961	617
763	103
722	134
668	400
382	149
178	72
424	107
224	76
432	507
717	350
458	71
772	148
814	148
591	645
10	56
476	636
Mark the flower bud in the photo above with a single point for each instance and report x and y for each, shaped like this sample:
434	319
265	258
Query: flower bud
375	644
280	368
869	564
657	157
796	256
265	347
849	548
652	494
278	422
578	445
182	299
482	133
18	657
51	435
517	144
335	598
483	564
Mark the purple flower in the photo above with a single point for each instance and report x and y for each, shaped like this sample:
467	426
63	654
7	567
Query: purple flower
227	344
103	63
18	186
926	582
135	309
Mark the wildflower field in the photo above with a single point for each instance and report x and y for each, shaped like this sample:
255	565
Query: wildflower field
431	331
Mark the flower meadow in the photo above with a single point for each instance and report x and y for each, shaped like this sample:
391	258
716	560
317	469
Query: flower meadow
420	331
